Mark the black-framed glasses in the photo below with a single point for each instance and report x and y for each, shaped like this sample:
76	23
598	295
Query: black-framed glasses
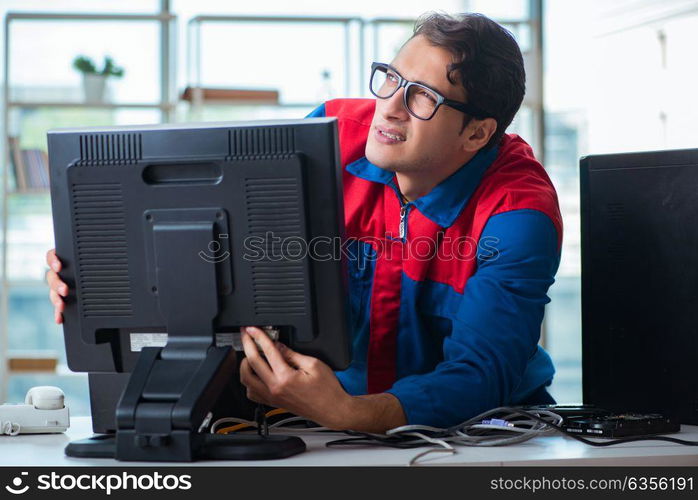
420	101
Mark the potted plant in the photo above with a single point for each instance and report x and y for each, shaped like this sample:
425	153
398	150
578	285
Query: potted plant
93	81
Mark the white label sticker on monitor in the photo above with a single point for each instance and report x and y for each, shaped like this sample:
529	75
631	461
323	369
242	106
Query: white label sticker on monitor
141	340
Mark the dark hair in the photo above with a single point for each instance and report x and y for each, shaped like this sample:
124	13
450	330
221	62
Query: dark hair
487	63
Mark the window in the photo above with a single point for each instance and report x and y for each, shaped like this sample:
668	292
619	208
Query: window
617	79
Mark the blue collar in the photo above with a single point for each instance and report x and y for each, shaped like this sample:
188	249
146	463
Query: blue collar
446	201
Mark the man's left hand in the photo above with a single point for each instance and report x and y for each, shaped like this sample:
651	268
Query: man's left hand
301	384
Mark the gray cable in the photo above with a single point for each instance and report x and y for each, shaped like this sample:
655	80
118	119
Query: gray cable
521	428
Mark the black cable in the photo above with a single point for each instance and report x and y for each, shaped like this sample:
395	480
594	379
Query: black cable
405	442
362	438
260	419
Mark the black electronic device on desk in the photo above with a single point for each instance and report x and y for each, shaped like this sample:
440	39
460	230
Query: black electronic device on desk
591	421
623	425
174	236
640	282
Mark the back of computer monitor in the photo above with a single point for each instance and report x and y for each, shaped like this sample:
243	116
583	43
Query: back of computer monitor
640	282
269	194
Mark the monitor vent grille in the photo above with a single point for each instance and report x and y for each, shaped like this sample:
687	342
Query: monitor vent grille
110	149
616	243
261	142
274	217
102	261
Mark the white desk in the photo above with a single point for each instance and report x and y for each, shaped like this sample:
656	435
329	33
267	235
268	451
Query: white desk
47	450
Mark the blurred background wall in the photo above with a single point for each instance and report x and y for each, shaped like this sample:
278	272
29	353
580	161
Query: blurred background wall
601	77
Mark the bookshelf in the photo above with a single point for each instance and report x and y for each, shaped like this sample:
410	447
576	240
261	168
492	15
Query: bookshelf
25	176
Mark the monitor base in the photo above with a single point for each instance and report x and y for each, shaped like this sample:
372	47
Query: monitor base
216	447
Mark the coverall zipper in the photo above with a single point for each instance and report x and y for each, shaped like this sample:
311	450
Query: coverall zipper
403	220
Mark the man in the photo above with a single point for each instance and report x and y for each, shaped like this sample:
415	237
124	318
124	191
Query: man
455	235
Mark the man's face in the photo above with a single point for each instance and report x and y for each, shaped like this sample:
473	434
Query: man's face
423	145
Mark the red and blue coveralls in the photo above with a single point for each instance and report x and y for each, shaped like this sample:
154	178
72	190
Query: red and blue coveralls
446	310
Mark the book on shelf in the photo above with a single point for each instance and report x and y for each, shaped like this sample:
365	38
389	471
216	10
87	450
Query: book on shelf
15	162
29	166
223	94
33	363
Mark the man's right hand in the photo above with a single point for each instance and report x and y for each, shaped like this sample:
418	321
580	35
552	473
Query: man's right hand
57	289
